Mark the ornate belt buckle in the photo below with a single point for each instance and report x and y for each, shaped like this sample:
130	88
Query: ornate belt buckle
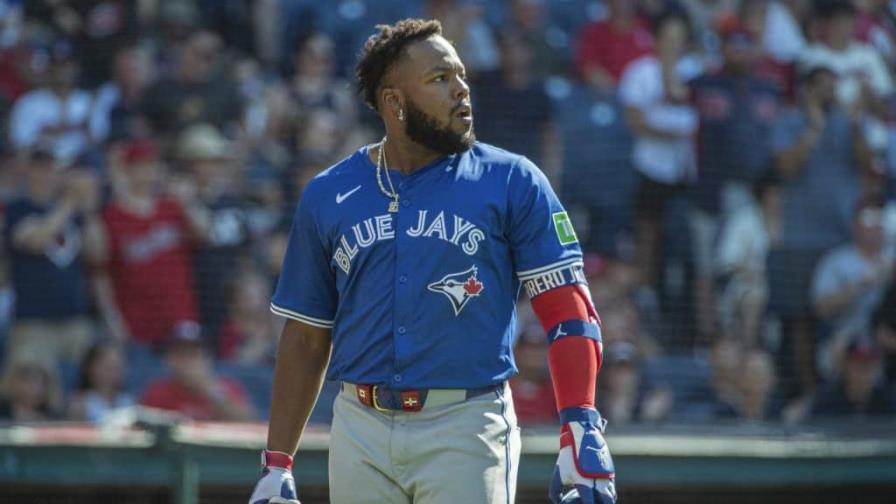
374	402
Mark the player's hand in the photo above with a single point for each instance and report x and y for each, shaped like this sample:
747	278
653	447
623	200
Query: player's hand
276	485
584	473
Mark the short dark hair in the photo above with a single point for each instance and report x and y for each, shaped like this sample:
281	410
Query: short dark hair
827	9
383	49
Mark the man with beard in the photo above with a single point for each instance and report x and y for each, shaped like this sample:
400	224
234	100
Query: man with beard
402	272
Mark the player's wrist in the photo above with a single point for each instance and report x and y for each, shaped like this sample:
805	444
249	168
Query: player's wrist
277	459
582	414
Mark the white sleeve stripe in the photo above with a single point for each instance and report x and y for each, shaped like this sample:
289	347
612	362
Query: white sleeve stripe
316	322
526	275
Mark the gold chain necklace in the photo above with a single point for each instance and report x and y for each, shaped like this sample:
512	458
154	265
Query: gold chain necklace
383	167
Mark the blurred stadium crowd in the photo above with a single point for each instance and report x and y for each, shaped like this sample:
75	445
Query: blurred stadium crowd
729	166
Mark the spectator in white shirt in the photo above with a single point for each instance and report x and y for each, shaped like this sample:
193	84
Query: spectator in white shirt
850	280
56	114
742	251
657	108
783	37
857	65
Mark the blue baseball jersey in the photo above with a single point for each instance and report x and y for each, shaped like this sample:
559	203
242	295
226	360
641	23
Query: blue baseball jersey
425	297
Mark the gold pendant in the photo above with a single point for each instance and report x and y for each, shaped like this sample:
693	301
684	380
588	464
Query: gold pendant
393	206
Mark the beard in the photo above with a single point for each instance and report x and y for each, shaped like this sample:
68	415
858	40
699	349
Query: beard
424	129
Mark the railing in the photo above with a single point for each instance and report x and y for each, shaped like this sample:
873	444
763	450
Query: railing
183	457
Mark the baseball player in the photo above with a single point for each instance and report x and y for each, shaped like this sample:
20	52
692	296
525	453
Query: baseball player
403	268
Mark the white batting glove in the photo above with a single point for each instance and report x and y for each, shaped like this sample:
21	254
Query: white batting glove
276	485
584	473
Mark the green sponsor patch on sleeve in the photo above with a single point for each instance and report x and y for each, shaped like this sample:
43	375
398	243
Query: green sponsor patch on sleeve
563	226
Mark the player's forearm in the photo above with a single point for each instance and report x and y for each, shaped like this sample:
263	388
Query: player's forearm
571	322
574	363
302	358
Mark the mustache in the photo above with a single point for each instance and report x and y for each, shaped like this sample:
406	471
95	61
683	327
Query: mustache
460	106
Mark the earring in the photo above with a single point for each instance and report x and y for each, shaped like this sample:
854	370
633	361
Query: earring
401	115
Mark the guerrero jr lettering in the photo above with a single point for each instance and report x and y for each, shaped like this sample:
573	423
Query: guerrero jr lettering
565	275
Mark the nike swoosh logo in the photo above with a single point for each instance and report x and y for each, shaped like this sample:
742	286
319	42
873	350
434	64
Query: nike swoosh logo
341	197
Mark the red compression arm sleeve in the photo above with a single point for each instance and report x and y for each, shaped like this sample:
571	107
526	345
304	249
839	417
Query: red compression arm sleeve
574	360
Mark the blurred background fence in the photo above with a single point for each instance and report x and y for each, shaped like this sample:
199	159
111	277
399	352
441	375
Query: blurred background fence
728	165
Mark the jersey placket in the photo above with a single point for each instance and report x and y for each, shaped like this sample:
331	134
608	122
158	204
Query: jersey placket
402	279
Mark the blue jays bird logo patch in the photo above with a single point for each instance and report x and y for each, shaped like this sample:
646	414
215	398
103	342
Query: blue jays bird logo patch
459	288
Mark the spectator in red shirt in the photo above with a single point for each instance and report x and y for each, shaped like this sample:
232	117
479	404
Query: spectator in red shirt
192	388
605	48
147	283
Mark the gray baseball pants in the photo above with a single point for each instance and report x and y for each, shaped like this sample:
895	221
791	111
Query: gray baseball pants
465	452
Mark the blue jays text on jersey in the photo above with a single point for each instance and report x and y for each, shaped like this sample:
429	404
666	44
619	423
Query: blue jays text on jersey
425	297
379	228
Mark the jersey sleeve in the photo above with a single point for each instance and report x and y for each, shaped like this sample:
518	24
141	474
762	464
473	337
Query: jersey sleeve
306	289
545	248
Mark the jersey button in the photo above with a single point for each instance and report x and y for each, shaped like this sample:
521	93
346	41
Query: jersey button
402	279
396	378
401	330
406	203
